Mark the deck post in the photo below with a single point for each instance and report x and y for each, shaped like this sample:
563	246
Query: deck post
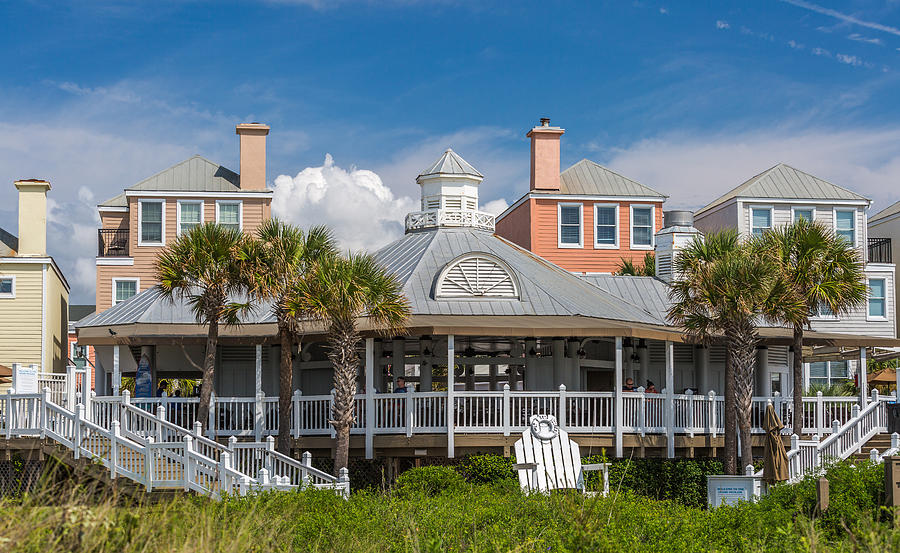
820	414
117	372
160	416
70	387
370	398
504	417
713	424
76	435
451	404
188	447
258	416
295	414
690	417
862	371
409	404
113	449
670	399
211	421
619	411
258	369
563	423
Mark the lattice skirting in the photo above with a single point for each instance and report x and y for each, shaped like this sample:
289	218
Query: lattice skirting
18	476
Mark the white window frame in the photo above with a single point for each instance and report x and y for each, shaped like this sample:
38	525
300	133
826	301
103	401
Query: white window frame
829	379
615	245
12	294
580	207
770	209
852	210
178	213
652	226
869	316
140	228
137	286
240	205
818	317
795	208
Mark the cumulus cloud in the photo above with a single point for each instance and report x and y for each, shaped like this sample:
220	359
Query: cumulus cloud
355	203
495	206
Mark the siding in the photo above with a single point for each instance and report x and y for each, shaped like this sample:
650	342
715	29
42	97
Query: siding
57	323
722	218
113	220
516	226
856	322
20	317
586	259
890	228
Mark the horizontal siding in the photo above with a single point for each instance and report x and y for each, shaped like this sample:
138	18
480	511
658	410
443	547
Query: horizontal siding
20	317
516	226
890	229
782	215
57	323
113	220
856	322
586	259
720	219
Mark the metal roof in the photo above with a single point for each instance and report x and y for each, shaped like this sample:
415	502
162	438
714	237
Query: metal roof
116	201
885	213
78	312
650	293
587	178
450	163
788	183
9	244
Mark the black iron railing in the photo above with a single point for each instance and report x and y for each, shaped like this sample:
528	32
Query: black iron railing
880	250
112	243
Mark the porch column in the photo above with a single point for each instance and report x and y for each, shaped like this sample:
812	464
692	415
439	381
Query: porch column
805	376
703	369
259	384
492	375
763	378
559	362
381	381
618	395
644	354
370	397
425	368
530	365
572	347
117	372
398	361
863	373
451	405
670	399
515	353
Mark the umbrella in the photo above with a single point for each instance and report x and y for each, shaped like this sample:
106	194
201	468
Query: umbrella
5	371
886	377
775	467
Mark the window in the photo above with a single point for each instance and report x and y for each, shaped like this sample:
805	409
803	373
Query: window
826	373
807	213
606	219
569	217
228	214
124	288
150	219
760	220
877	304
641	227
845	224
823	312
190	215
7	287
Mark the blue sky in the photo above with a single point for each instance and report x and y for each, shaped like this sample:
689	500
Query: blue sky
690	98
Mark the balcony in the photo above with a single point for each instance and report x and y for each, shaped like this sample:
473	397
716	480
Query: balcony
879	250
449	218
112	243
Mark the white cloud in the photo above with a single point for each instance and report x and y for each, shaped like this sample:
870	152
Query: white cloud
795	45
663	11
495	206
821	52
355	203
869	40
849	60
843	17
722	24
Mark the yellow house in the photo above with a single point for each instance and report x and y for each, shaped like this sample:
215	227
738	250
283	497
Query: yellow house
34	294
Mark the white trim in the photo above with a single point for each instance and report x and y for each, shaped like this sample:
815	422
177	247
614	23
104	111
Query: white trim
885	219
804	201
44	320
615	245
834	212
770	209
240	211
584	198
117	261
869	316
112	209
171	194
178	213
652	244
795	208
140	232
559	241
11	295
442	277
26	259
137	287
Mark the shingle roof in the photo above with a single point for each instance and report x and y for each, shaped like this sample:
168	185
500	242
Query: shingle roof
589	178
786	182
892	209
450	163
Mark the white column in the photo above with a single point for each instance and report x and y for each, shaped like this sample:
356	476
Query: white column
863	373
763	377
259	385
531	382
805	376
703	384
559	362
515	353
670	399
117	373
618	391
398	361
574	383
451	407
370	397
644	355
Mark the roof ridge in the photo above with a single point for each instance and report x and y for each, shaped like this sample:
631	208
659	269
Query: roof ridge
607	169
179	164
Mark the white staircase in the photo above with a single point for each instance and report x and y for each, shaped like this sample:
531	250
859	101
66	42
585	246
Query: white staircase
158	454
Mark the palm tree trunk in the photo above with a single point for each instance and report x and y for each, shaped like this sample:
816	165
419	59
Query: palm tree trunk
730	461
209	368
743	341
797	417
285	389
343	339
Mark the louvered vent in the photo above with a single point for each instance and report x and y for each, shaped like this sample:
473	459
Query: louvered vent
433	203
657	352
778	355
684	353
664	266
453	203
476	276
471	204
717	354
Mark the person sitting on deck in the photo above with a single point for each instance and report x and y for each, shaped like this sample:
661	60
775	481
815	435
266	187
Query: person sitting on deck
629	385
160	389
401	386
651	388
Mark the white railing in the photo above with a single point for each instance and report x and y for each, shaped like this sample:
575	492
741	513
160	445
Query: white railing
449	218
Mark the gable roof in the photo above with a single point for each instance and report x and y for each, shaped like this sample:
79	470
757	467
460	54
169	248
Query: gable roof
892	209
783	182
9	244
590	178
450	163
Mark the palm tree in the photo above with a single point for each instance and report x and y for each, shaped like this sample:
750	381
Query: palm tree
627	267
337	291
724	289
281	255
202	267
824	270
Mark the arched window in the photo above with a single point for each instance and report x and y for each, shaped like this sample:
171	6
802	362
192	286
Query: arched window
476	275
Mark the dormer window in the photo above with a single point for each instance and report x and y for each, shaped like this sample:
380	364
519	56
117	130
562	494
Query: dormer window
476	276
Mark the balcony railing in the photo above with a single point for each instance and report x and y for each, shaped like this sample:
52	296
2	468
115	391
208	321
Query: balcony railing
449	218
112	243
880	250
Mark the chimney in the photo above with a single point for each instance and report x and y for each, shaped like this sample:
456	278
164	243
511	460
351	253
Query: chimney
677	233
253	155
32	217
545	156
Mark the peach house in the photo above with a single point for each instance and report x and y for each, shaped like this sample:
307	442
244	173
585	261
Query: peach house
586	219
138	223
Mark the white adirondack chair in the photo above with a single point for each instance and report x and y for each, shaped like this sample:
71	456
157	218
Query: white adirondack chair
547	459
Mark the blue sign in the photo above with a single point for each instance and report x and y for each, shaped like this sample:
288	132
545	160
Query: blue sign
143	382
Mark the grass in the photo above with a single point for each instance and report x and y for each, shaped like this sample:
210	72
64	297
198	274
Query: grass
462	517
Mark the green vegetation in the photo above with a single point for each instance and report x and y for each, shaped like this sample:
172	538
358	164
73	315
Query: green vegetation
629	268
435	509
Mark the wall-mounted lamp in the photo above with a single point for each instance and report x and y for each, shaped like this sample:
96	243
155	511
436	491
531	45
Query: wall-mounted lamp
426	352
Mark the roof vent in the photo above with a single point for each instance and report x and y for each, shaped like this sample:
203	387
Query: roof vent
545	121
678	219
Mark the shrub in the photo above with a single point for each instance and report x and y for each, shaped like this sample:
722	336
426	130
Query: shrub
487	469
681	480
429	481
